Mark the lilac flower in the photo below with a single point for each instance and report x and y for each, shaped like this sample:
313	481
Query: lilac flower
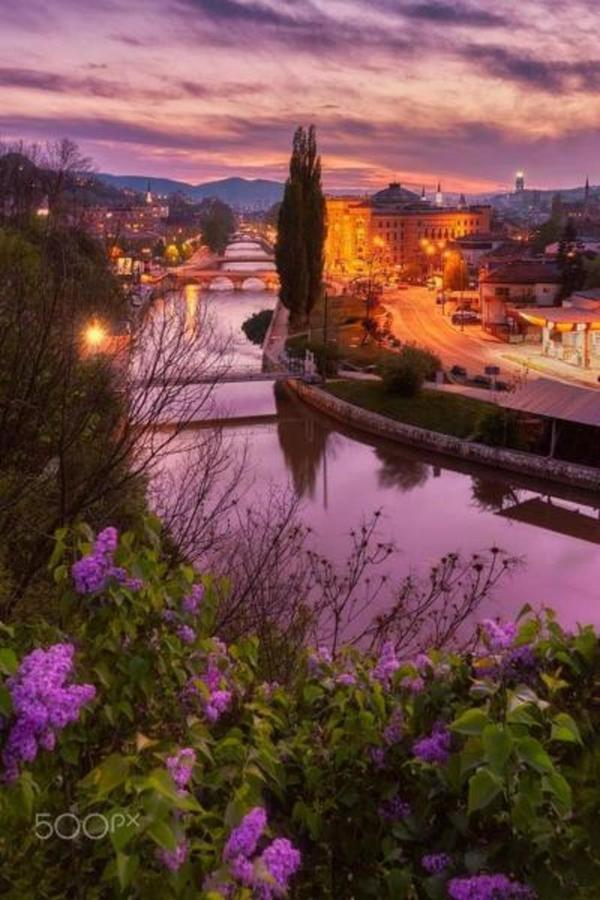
488	887
169	616
93	572
319	658
186	634
499	637
218	684
394	810
268	688
43	704
347	679
414	685
436	747
436	863
392	732
244	838
423	663
218	703
242	870
377	755
180	767
280	860
174	859
387	664
519	663
191	602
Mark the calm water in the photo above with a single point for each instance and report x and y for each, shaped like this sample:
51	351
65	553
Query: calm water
430	505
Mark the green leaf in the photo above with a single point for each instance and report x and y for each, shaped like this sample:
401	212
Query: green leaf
5	701
162	834
484	786
533	754
586	644
473	721
8	661
560	788
497	743
111	773
126	868
564	728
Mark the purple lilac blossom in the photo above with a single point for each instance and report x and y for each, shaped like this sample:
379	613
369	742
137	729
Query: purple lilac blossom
319	658
414	685
488	887
347	679
280	860
242	870
191	602
43	704
174	859
499	636
394	810
392	733
92	573
436	863
422	663
180	767
387	664
244	838
377	755
436	747
186	634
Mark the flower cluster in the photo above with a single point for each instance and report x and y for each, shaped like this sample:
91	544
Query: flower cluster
191	602
436	863
268	874
394	810
93	572
217	693
488	887
180	767
174	859
318	659
392	733
436	747
43	703
499	637
386	665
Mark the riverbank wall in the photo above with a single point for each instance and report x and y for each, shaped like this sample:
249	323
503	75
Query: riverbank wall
512	460
275	338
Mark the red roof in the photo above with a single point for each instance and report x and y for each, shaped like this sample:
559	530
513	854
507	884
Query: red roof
523	272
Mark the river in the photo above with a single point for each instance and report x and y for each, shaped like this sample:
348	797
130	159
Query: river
430	506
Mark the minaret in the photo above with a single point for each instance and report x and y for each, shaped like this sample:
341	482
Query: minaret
462	202
586	193
423	197
439	197
149	197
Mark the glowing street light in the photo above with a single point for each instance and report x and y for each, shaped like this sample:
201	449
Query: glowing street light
94	336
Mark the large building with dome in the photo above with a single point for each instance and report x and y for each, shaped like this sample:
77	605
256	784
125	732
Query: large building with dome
397	224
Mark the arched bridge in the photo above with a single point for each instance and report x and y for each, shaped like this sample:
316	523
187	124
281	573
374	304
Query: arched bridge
207	278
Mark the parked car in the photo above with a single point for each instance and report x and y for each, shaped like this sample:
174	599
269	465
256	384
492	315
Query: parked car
483	381
458	371
465	317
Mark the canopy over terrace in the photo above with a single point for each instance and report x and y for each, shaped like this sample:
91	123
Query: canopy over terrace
558	402
569	333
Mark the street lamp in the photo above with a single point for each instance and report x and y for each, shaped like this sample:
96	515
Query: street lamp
94	336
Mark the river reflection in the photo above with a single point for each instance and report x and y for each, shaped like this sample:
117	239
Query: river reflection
430	505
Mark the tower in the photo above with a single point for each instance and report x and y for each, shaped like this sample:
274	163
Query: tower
586	193
423	197
149	197
439	197
520	182
462	202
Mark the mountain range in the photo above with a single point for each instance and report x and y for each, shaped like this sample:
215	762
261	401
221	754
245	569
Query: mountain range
237	192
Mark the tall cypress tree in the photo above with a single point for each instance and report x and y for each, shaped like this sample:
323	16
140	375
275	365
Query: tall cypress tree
301	232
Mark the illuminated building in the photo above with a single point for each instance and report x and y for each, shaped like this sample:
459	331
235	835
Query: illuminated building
408	226
520	182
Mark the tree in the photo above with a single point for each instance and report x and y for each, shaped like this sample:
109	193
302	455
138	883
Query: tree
217	226
456	276
299	252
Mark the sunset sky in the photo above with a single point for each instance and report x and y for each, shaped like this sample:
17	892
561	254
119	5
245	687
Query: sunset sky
200	89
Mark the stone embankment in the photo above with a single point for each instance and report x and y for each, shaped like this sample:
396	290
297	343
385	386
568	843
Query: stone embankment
382	426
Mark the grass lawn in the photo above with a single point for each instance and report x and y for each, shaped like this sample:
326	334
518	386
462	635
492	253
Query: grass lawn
435	410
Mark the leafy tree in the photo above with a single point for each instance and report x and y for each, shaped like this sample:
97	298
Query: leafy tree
255	328
456	275
570	262
299	250
592	273
217	225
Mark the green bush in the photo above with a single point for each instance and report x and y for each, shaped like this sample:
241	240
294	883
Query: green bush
403	378
395	779
499	428
256	326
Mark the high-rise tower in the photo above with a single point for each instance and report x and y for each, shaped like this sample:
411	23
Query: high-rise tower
520	182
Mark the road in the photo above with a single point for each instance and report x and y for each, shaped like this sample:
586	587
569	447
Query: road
416	317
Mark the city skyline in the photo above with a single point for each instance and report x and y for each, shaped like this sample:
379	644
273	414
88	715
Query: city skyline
199	90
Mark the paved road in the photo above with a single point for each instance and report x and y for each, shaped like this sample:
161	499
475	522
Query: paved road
416	317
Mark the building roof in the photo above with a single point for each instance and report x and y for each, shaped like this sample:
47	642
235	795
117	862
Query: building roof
396	195
524	272
555	400
560	315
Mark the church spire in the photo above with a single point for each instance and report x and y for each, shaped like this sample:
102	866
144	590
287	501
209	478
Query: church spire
439	197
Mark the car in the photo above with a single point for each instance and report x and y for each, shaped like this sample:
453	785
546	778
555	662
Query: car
465	317
483	381
458	371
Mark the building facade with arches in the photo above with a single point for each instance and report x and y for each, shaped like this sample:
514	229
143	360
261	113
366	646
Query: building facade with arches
397	223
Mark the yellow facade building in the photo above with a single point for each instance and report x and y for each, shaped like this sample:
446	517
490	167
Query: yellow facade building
395	222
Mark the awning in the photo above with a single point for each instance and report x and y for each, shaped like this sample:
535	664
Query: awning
555	400
559	318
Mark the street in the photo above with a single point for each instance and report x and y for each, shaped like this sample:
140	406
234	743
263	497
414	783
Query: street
416	317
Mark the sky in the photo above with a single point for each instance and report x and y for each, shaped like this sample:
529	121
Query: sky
465	91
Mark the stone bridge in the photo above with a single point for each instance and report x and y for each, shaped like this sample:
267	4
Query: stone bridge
206	278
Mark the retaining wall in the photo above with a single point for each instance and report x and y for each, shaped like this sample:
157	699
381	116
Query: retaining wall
382	426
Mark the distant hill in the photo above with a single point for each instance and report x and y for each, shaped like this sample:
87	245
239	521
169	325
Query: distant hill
237	192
